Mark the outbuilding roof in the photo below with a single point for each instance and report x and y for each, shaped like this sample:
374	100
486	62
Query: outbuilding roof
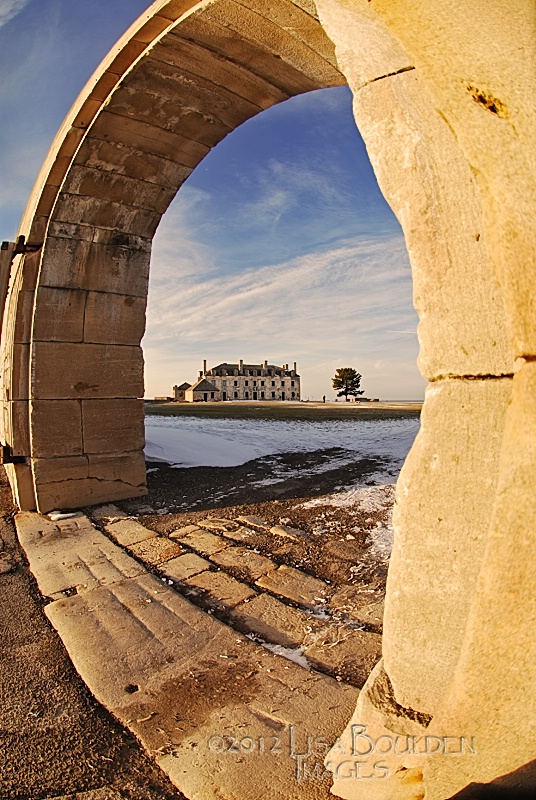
203	385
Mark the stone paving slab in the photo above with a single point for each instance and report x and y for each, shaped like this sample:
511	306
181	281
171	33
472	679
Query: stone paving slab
156	550
216	524
189	687
220	589
296	586
71	553
128	531
295	534
247	564
257	522
350	654
203	542
358	605
372	614
241	535
183	531
184	567
273	621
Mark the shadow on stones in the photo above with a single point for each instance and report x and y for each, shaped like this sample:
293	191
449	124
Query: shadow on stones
517	785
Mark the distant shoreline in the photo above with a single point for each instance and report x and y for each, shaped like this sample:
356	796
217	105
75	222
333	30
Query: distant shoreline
309	411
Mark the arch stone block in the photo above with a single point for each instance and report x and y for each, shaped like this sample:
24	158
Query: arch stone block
95	370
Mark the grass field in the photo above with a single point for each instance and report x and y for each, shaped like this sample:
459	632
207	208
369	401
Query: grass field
309	411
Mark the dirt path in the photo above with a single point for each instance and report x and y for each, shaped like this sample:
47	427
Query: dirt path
55	739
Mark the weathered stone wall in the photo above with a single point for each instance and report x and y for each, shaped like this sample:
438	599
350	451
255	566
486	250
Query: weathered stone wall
438	99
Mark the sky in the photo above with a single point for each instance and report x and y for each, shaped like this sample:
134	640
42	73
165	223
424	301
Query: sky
279	246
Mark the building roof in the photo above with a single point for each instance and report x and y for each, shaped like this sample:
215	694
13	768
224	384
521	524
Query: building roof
203	385
231	367
184	386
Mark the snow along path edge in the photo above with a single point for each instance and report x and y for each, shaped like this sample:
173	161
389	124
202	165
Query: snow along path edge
184	683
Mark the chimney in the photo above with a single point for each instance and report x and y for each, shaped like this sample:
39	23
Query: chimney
204	366
265	364
294	366
200	374
240	365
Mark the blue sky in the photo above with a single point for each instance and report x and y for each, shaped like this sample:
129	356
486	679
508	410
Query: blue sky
280	244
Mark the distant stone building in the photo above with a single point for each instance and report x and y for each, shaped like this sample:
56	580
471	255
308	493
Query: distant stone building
202	390
178	391
242	382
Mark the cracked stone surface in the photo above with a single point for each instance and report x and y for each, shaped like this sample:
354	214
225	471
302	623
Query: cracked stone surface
184	566
197	681
221	590
156	550
127	532
203	542
296	585
274	621
247	564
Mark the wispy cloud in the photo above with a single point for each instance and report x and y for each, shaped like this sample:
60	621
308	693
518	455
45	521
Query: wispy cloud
180	256
10	9
282	187
349	305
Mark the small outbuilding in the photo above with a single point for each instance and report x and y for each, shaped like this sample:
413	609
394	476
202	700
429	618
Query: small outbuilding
202	391
179	391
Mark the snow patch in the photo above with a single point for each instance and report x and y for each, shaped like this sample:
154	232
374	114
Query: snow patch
367	498
193	448
294	654
199	442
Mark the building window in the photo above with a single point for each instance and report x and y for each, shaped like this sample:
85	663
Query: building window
273	384
254	383
262	383
236	395
293	395
236	383
212	395
224	383
247	383
273	394
262	395
247	394
292	383
282	383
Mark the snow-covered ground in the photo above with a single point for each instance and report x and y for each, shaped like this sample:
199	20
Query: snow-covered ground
200	442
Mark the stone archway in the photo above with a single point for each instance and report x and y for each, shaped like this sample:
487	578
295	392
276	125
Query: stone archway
182	78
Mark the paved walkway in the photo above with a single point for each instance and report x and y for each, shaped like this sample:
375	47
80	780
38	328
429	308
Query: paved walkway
182	638
55	739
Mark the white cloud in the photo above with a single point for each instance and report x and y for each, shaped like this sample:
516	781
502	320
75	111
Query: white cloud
280	188
10	9
348	306
179	257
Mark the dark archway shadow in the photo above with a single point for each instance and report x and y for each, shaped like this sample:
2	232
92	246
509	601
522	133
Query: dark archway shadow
517	785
